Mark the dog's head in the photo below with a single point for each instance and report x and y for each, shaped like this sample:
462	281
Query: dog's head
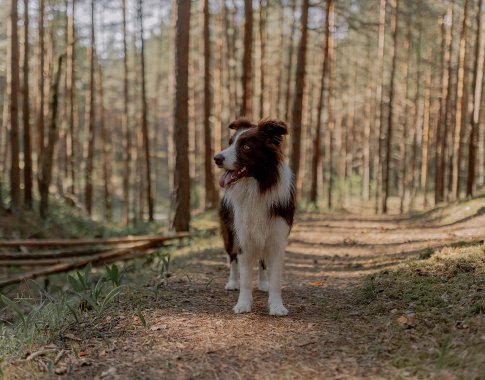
254	150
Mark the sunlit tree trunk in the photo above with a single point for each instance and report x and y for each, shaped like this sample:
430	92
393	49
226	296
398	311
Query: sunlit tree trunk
442	132
478	66
404	141
262	40
316	169
247	97
181	196
426	133
379	117
211	196
331	113
390	117
289	67
296	118
459	108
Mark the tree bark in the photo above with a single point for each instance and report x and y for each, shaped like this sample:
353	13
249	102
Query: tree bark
181	196
144	121
331	114
124	124
459	108
89	122
72	150
317	144
47	156
40	79
211	195
404	141
262	40
289	68
26	114
426	133
296	118
441	132
478	66
379	119
247	98
14	84
390	117
105	148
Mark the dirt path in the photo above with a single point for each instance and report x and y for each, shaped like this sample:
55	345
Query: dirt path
328	334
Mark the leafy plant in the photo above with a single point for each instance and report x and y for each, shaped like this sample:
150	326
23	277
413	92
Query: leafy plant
113	274
15	308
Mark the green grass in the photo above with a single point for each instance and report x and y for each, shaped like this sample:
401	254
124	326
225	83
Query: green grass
446	292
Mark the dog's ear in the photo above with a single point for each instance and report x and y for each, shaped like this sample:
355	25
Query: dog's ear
274	129
241	123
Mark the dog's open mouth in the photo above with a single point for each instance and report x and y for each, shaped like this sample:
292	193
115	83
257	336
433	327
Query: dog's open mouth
231	176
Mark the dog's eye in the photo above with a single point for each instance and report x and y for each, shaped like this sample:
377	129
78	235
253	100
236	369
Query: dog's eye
246	147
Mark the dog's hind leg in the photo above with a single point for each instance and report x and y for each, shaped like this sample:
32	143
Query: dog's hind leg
275	254
263	277
233	282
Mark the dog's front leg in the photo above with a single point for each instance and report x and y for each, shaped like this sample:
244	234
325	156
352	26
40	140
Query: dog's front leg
246	264
275	271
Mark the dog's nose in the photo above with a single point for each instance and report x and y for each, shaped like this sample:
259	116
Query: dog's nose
219	159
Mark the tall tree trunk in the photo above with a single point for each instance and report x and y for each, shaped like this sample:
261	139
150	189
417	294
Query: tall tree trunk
289	67
40	79
447	134
211	195
426	132
404	141
379	117
332	59
459	107
144	120
47	156
390	117
262	39
14	83
478	66
105	148
441	132
124	124
317	144
247	99
181	196
26	114
71	94
89	122
298	97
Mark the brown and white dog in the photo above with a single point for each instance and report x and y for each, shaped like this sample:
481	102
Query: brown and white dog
257	209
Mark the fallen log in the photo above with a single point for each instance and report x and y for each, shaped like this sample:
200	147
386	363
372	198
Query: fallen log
102	258
34	243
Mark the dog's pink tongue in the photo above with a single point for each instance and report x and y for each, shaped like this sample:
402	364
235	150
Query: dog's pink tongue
225	179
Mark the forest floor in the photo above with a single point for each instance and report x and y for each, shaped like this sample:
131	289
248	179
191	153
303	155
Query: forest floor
368	296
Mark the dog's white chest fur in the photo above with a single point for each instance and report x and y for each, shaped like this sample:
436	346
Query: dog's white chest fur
253	222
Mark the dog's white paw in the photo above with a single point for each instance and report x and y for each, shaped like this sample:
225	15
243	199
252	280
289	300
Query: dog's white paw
232	285
242	307
263	286
278	310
